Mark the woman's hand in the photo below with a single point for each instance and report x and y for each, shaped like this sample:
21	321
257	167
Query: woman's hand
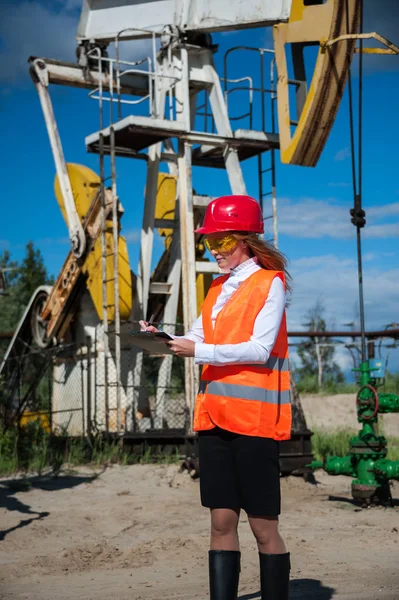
146	327
182	347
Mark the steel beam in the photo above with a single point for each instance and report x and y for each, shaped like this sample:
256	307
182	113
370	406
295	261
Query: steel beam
71	74
207	267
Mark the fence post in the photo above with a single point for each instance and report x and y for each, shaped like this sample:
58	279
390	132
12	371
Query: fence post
88	385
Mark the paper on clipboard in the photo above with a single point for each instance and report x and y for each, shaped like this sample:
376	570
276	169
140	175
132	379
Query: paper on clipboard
152	342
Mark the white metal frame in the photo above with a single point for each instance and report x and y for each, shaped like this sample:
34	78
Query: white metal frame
181	70
103	19
41	80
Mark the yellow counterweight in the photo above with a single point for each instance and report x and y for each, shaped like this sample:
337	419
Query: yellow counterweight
85	185
85	188
93	268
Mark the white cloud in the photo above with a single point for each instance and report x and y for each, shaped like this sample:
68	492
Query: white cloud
386	209
28	28
342	154
335	282
382	231
131	235
73	5
325	261
343	358
312	219
31	29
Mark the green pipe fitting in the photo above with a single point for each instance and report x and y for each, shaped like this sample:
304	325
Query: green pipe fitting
337	465
388	403
316	464
367	462
389	469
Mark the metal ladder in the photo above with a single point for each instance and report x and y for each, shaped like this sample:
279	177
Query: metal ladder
111	335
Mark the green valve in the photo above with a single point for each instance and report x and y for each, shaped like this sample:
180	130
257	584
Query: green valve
336	465
366	461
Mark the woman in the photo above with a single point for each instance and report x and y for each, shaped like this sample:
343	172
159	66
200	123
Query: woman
243	405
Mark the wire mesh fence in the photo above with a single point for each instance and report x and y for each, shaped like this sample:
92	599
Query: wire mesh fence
73	388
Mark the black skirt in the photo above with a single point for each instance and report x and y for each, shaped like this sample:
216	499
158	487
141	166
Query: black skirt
239	471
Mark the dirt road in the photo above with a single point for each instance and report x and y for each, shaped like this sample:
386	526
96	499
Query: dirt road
139	533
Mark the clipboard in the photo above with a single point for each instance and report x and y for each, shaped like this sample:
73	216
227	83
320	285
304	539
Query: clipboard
152	342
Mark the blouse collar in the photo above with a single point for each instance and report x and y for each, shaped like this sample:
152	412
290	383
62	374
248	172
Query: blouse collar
245	266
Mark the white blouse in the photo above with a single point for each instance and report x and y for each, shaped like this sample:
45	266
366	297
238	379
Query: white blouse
266	328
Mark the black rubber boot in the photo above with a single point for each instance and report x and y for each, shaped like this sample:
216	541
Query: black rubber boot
274	576
224	573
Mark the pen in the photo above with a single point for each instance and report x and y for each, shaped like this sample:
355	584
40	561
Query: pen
151	320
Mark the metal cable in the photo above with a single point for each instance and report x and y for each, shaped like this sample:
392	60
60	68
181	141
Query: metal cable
358	200
360	101
357	177
351	123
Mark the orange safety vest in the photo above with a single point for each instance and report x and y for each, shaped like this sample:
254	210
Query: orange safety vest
251	399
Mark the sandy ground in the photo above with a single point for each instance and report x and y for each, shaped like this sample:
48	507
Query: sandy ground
139	533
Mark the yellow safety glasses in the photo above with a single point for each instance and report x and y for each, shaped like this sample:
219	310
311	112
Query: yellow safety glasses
224	244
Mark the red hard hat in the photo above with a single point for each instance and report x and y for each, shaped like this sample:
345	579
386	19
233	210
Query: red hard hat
232	213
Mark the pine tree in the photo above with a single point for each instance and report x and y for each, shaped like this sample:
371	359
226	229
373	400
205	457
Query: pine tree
21	281
9	313
32	274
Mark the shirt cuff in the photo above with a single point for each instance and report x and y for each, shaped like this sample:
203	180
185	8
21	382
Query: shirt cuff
204	353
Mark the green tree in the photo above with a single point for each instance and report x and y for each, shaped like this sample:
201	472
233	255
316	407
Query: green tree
316	353
32	274
21	281
8	309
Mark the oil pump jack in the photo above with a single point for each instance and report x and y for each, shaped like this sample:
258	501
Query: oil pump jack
171	108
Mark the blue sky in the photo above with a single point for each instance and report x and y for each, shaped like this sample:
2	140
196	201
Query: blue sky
313	204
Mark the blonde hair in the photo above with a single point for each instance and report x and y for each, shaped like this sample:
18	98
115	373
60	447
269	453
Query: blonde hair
268	256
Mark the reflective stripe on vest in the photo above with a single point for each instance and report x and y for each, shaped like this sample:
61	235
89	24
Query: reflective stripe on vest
274	363
245	392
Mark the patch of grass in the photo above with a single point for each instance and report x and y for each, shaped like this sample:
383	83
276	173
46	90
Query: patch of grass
109	452
393	448
170	458
391	383
76	452
31	448
327	443
147	456
339	388
336	443
24	449
152	455
8	453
